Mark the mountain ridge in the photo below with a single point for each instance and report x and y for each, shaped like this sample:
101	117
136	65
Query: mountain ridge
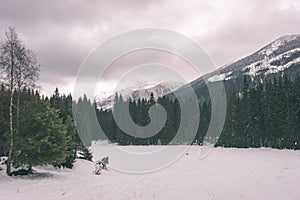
281	56
272	50
158	89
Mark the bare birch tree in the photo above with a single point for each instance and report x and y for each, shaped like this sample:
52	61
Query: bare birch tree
20	70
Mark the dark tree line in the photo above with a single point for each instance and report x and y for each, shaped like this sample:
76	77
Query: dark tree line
139	112
265	116
47	133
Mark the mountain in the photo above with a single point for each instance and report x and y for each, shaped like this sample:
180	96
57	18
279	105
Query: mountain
159	90
281	56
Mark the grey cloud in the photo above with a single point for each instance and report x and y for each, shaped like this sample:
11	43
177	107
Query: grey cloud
244	34
63	32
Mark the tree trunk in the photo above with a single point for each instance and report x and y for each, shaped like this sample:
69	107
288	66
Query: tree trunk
11	130
30	168
11	136
18	112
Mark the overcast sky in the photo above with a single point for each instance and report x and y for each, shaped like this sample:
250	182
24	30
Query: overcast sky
63	32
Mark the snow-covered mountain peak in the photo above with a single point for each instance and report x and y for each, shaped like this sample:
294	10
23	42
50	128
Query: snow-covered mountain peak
280	56
288	38
269	49
142	91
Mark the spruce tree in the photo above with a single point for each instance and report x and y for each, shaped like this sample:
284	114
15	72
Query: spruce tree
43	137
86	154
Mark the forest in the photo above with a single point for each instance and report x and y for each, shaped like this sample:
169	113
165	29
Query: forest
267	115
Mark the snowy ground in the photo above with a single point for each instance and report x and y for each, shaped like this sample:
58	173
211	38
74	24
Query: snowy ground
225	174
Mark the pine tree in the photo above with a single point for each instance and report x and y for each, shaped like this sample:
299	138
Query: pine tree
86	154
43	137
152	99
63	104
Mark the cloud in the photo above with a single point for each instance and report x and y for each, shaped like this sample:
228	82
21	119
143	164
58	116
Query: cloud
63	32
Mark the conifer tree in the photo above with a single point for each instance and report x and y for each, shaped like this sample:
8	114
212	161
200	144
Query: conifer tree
43	137
86	154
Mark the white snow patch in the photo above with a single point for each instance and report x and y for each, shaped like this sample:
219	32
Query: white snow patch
246	174
277	43
218	77
276	69
256	67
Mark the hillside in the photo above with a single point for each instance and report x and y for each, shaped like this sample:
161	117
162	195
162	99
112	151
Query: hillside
281	56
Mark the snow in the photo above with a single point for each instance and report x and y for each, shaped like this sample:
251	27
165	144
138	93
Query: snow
256	67
218	77
263	65
276	69
223	174
274	46
277	43
142	91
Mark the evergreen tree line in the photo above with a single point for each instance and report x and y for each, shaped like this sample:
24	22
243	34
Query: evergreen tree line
265	116
47	133
139	112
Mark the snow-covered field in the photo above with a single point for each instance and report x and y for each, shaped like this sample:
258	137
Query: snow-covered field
224	174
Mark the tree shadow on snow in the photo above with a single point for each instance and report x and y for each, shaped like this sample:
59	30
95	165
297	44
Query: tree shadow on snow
36	175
